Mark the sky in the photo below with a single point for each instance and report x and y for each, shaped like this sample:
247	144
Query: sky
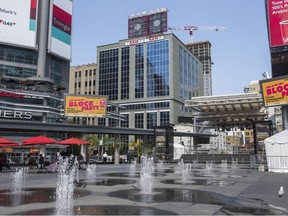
240	54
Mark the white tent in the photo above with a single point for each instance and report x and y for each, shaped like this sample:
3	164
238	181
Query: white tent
276	148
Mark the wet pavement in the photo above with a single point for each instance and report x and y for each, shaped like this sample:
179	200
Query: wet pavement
115	191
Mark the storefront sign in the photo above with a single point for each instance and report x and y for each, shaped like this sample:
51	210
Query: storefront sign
10	114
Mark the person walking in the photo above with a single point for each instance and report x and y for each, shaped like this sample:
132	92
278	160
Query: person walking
105	156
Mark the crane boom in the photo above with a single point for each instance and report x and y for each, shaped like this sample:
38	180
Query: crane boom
192	28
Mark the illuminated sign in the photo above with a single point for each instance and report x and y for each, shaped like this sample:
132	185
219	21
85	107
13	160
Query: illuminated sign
145	24
86	106
275	91
277	11
11	94
144	40
18	18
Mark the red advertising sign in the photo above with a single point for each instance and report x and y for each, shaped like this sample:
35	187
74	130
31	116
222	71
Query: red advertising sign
278	22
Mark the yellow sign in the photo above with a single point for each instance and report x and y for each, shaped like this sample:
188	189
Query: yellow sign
275	91
85	106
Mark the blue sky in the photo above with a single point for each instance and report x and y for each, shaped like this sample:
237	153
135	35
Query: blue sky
240	54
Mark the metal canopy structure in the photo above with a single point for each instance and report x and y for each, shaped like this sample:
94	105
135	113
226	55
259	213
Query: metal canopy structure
28	126
228	111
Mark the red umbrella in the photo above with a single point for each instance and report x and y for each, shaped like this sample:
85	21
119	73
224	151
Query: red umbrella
6	141
38	140
73	141
8	145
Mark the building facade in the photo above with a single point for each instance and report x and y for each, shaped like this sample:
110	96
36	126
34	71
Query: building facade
150	77
34	67
35	53
202	50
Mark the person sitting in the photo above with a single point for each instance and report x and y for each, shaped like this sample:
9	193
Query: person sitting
32	162
52	167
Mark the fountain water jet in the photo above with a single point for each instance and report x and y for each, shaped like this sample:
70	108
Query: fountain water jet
19	180
67	173
18	185
146	175
132	169
160	164
91	172
185	170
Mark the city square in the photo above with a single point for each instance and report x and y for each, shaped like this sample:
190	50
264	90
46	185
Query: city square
111	110
115	190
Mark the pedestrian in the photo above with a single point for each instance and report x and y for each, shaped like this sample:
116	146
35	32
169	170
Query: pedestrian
4	161
41	161
105	157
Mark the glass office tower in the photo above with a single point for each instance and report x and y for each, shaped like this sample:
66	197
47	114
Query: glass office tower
150	77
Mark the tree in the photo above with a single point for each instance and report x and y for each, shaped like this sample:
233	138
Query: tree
94	140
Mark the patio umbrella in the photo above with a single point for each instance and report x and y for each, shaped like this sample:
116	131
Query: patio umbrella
7	145
38	140
6	141
73	141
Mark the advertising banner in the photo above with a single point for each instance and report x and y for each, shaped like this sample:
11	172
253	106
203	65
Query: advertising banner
278	22
85	106
18	18
60	28
275	91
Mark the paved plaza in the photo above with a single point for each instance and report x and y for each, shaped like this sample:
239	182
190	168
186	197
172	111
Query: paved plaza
234	191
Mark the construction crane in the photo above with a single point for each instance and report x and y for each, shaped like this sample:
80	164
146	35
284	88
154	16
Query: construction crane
192	28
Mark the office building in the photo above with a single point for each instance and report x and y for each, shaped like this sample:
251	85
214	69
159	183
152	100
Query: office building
202	50
150	77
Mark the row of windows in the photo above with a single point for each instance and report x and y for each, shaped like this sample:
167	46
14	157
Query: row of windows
108	74
51	102
151	122
145	106
157	69
139	71
86	83
17	71
19	56
78	73
125	72
151	119
188	73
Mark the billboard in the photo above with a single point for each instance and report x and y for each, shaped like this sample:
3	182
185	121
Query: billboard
18	18
277	12
275	91
279	62
146	24
85	106
60	28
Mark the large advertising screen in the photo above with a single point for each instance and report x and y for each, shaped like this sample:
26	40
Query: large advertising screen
18	22
278	22
60	28
279	61
85	106
275	91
